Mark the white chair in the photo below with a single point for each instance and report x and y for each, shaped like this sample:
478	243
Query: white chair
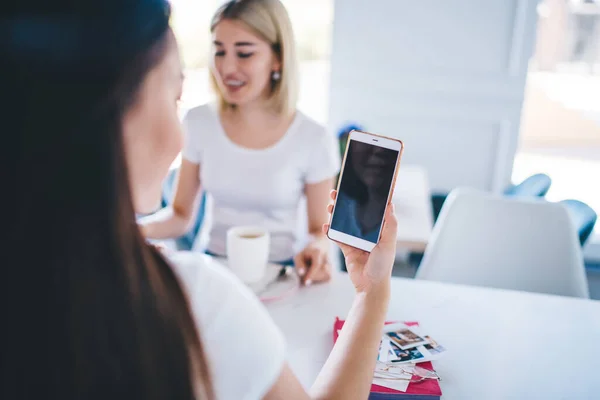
491	240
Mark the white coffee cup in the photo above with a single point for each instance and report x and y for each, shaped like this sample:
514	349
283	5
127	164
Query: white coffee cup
248	252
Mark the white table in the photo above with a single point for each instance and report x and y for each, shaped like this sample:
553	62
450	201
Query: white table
412	198
501	344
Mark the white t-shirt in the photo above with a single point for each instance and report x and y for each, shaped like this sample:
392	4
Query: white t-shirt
245	350
257	187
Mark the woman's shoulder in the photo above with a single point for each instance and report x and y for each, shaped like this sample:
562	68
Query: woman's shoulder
225	310
310	127
196	269
199	125
212	288
204	112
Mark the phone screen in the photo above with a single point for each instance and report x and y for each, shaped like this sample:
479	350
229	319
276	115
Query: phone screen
364	188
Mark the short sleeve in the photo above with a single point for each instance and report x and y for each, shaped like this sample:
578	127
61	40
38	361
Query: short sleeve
246	350
192	146
324	161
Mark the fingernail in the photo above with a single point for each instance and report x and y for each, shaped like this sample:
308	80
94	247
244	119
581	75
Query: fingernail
308	282
301	272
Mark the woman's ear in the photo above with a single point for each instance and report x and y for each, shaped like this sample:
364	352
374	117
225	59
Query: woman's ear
276	65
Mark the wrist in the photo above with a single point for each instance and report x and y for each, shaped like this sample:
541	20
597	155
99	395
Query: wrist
376	292
317	236
319	239
375	301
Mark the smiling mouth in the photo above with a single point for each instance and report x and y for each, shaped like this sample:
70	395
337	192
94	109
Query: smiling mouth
233	84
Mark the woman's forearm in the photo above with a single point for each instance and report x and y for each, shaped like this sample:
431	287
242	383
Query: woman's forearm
165	224
348	372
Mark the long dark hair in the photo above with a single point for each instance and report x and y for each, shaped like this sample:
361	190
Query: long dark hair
89	310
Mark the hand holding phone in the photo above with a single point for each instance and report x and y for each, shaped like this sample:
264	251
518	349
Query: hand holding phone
369	271
365	189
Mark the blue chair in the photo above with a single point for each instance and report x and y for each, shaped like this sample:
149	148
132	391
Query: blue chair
535	186
186	241
583	217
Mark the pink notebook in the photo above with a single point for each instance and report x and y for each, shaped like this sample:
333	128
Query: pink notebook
426	390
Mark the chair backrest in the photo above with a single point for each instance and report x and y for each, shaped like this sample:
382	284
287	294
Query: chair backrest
534	186
504	242
583	217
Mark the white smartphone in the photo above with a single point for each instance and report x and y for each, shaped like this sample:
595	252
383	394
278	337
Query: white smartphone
365	187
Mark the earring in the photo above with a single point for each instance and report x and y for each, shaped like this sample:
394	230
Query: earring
276	75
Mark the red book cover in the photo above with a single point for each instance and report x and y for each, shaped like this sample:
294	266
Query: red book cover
428	389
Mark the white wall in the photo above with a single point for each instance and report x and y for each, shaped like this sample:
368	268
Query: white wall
445	76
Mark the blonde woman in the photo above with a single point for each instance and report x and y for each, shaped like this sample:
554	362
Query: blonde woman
253	152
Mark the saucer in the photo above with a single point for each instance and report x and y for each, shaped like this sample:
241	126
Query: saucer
278	282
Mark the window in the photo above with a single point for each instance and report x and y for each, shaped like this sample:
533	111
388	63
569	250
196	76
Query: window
560	129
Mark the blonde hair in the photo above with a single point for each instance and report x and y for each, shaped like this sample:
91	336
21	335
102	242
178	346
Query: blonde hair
269	20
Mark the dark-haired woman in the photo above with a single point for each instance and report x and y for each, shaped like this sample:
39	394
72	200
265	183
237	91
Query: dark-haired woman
88	96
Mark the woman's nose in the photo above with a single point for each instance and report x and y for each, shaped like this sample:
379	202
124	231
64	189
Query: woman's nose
228	65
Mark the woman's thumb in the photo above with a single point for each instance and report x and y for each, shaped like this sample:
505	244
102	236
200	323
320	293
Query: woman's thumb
390	226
